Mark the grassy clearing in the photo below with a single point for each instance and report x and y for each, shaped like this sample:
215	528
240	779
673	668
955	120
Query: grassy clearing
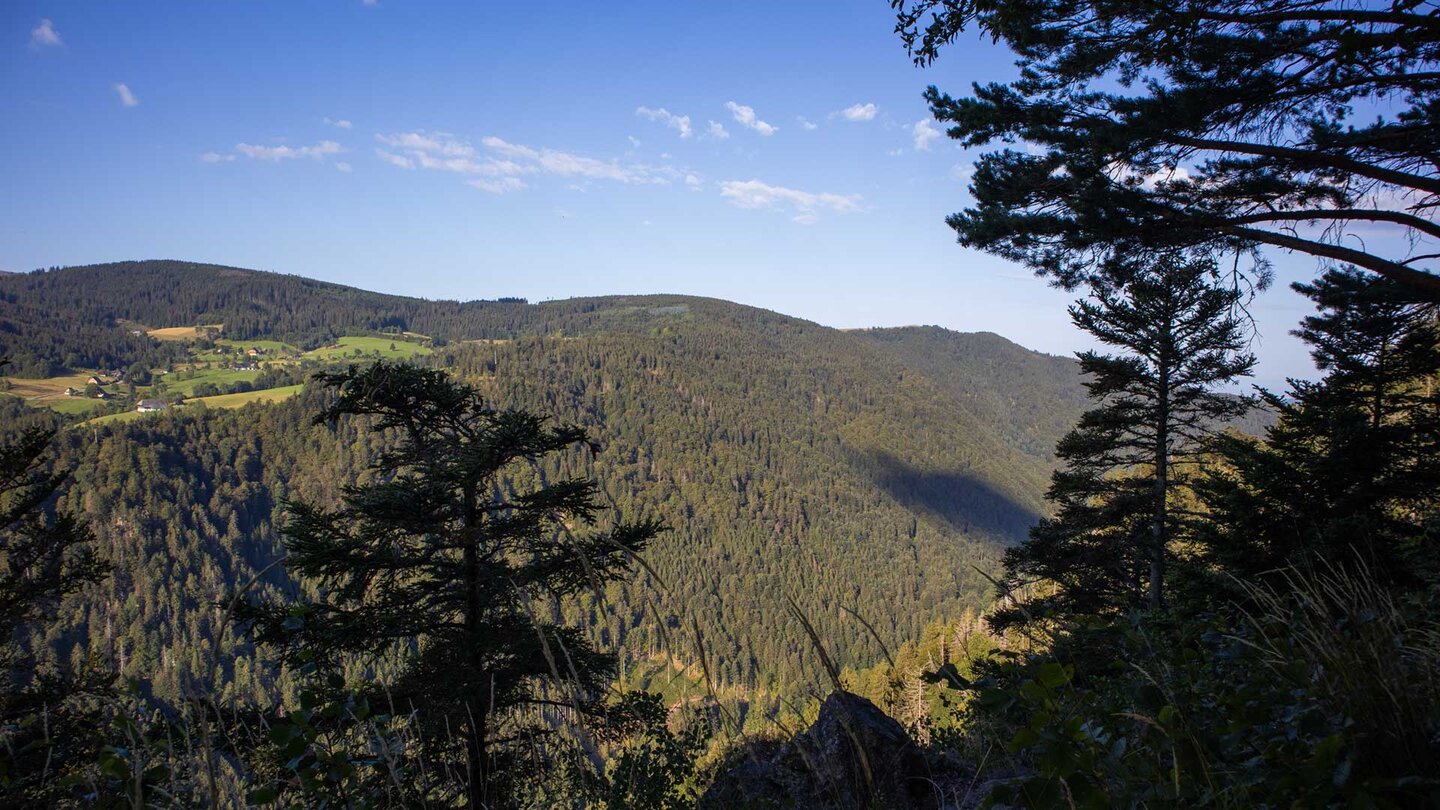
218	376
50	393
75	406
44	390
369	347
183	333
221	401
268	346
115	418
237	400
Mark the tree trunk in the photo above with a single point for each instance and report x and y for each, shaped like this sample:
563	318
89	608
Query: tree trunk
477	707
1155	598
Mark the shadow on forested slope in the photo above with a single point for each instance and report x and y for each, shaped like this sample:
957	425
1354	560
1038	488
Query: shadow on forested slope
961	499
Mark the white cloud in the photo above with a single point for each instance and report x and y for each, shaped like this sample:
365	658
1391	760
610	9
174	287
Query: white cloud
807	124
344	167
680	123
438	143
503	163
924	133
745	116
371	3
501	186
566	164
634	141
127	98
1165	175
806	204
45	35
340	123
395	160
717	131
692	181
859	112
275	154
216	157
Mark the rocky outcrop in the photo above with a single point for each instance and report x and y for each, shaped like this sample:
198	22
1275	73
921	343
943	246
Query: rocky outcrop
855	757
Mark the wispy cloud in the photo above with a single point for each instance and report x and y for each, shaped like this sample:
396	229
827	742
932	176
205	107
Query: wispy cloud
806	124
344	167
339	123
924	133
394	159
216	157
275	154
717	131
805	204
44	35
127	98
498	164
859	112
681	123
566	164
500	186
745	116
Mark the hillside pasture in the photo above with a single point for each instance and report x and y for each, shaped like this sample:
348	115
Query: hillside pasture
239	400
221	401
183	333
49	392
115	418
270	347
369	346
219	376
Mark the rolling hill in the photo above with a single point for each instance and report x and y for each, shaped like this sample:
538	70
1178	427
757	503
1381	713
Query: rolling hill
854	470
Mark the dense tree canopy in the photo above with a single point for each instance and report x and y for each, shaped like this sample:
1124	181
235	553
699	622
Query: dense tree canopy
1219	125
44	557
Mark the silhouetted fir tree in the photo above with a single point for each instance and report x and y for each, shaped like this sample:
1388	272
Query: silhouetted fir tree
444	557
1353	464
1212	125
45	726
1107	547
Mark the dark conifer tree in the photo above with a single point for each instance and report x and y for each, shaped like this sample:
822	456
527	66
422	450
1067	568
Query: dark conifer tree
44	557
1352	466
1106	549
446	557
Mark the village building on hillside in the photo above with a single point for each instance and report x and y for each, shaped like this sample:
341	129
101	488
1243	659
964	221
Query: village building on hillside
151	405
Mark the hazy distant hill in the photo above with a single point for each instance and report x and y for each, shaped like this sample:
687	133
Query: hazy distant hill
867	470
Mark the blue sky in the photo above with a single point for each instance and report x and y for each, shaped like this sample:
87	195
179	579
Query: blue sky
775	154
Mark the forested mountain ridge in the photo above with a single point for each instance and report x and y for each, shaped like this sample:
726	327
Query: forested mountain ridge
843	468
1031	397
